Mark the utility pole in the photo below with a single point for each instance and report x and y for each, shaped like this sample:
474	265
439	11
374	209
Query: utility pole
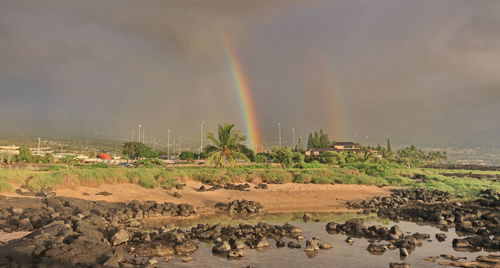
168	144
180	144
201	139
293	137
279	134
139	133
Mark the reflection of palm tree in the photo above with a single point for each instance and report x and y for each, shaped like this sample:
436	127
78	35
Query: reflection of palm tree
227	147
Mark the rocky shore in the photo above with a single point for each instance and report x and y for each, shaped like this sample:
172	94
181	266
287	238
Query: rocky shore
69	232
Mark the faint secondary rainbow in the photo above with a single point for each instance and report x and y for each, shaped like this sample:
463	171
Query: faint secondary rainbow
242	87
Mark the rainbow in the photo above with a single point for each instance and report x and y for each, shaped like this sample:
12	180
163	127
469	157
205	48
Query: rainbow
242	87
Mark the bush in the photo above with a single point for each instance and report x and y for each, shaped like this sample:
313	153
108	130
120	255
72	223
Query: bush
370	169
313	164
332	158
99	165
5	187
56	168
259	158
148	182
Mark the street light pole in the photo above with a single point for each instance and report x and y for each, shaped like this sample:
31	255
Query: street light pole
139	133
279	134
168	144
201	139
180	144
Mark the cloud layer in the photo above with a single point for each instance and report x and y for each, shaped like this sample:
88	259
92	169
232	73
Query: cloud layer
421	71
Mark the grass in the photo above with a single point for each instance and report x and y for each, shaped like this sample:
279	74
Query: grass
151	177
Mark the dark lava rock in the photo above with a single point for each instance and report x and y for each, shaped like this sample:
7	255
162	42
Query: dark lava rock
262	186
292	244
104	193
441	237
399	265
242	207
177	195
179	186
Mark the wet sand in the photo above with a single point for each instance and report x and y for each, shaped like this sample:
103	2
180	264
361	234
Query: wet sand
279	198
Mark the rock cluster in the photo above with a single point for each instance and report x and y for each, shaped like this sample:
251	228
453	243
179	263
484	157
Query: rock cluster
47	210
399	198
211	186
480	262
242	207
396	238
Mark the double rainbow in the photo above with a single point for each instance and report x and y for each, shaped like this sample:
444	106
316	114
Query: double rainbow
242	87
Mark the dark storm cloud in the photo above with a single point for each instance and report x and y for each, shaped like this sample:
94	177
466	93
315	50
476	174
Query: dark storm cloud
421	71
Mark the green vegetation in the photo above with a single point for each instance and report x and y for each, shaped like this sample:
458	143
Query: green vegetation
227	147
314	172
318	140
136	150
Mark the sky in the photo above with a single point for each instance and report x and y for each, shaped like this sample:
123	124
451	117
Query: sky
415	71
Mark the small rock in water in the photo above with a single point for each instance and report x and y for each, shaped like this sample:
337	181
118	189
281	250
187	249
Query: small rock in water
403	252
307	217
222	248
325	245
399	265
236	253
187	259
312	245
280	243
349	240
292	244
441	237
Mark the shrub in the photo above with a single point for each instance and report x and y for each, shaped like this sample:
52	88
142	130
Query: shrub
313	164
56	168
371	169
259	158
148	182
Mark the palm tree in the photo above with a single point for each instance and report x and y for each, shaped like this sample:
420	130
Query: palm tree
227	147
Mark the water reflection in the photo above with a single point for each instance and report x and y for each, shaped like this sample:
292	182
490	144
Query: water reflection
351	252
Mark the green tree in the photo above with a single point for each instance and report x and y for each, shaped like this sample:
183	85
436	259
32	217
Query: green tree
298	159
284	156
186	155
47	158
260	158
324	141
24	156
68	159
299	147
332	158
318	140
352	157
227	147
135	150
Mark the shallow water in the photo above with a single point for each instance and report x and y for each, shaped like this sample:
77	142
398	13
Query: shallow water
341	255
